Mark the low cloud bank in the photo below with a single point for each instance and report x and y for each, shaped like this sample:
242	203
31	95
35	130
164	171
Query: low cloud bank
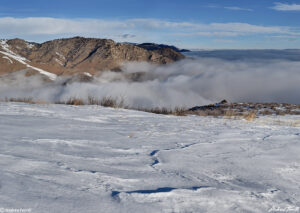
186	83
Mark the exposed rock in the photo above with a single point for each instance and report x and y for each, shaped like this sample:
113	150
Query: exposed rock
239	109
81	77
224	102
221	104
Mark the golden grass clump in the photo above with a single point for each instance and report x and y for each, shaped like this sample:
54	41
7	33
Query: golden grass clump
180	111
22	100
75	102
230	113
250	116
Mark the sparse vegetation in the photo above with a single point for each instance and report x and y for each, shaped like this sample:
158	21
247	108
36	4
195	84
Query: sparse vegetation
250	116
109	102
75	101
22	100
180	111
157	110
230	113
247	111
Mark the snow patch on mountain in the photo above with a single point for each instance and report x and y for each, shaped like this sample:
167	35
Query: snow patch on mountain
60	55
88	74
8	53
59	62
30	46
10	61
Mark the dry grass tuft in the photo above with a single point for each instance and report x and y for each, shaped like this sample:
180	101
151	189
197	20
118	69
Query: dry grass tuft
40	102
21	100
93	101
180	111
109	102
75	102
157	110
250	116
247	111
230	114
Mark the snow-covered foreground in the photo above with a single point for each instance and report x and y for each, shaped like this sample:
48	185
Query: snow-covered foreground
57	158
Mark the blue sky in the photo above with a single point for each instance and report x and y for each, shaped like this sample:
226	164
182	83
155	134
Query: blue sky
201	24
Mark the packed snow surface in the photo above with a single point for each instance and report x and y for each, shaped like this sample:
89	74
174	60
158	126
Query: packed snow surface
57	158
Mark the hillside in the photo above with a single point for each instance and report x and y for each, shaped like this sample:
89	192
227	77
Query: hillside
77	55
94	159
153	46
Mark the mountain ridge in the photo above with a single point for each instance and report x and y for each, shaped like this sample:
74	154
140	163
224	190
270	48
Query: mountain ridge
69	56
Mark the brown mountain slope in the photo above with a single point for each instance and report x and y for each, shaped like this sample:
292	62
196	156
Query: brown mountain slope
8	65
76	55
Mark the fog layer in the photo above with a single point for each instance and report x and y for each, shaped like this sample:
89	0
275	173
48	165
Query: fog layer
186	83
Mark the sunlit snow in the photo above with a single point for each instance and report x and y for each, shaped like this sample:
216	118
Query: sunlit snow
93	159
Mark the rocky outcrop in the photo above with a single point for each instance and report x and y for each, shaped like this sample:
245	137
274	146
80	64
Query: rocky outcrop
224	108
78	55
153	46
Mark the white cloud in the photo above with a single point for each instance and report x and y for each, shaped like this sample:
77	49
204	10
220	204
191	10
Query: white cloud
224	41
214	6
238	29
284	37
286	7
131	30
250	29
238	8
212	34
